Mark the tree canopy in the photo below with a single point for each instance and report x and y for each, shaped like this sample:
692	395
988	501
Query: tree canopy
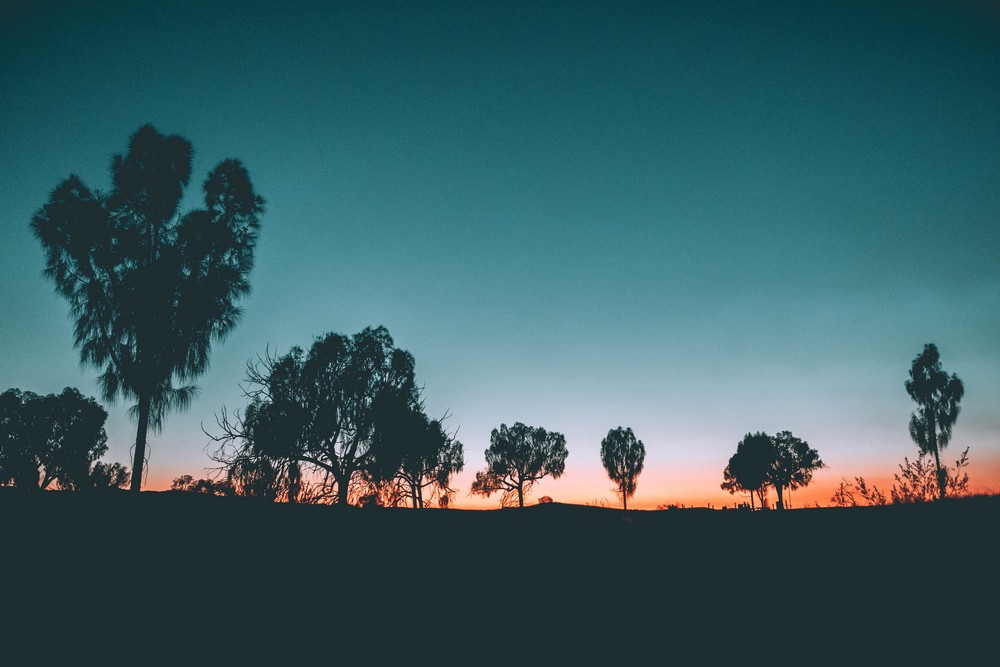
349	410
623	456
793	465
54	439
151	288
937	395
518	457
782	461
750	466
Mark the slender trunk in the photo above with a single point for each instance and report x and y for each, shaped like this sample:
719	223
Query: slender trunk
343	489
140	443
420	494
932	440
520	494
781	503
751	499
294	482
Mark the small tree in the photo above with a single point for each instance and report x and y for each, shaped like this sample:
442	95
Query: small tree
749	468
623	457
517	458
937	394
793	465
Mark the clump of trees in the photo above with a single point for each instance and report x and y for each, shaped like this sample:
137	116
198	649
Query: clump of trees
518	457
55	441
623	456
151	288
343	422
761	461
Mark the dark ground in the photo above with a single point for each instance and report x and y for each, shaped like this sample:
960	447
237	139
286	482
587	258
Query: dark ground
553	582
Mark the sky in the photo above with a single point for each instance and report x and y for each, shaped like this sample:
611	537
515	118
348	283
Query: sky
694	219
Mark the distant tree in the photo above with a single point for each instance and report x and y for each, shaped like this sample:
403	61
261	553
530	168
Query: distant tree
623	456
109	476
349	412
937	395
793	465
211	487
750	467
517	458
150	288
50	439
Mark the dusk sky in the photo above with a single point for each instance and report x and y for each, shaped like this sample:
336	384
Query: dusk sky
696	219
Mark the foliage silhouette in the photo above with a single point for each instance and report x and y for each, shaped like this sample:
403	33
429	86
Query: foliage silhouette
109	476
749	468
623	456
793	465
54	439
189	484
916	482
350	412
937	394
151	289
517	458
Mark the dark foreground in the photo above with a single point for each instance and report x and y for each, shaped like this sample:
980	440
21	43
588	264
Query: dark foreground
575	582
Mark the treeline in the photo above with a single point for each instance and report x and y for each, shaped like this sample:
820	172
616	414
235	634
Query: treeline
152	287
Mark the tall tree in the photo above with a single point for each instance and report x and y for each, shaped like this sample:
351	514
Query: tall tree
793	465
517	458
749	467
937	395
623	456
151	288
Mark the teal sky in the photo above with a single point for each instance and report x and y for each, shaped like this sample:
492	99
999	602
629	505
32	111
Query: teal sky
697	219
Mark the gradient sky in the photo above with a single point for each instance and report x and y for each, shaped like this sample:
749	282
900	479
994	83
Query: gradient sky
697	219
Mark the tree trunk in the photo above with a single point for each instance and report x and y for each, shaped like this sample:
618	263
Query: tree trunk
933	442
520	494
343	489
294	482
140	443
781	503
624	498
751	499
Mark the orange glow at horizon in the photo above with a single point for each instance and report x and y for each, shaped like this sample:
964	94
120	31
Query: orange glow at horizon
698	488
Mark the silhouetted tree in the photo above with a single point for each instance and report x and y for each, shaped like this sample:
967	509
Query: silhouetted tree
518	457
109	476
211	487
349	410
623	456
749	468
793	465
150	288
53	438
410	453
937	394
